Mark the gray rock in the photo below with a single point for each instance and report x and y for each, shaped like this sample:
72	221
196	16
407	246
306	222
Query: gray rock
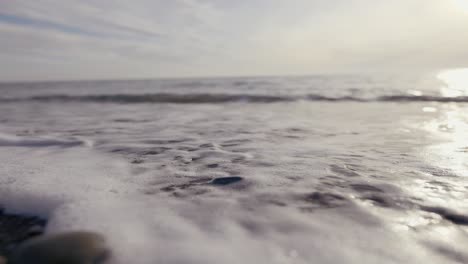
65	248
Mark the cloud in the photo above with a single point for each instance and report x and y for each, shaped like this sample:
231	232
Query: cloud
78	39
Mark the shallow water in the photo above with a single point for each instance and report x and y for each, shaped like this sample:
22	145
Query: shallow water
300	180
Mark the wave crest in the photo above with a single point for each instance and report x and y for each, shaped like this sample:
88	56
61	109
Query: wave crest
14	141
200	98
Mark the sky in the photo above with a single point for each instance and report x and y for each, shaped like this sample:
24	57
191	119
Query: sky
121	39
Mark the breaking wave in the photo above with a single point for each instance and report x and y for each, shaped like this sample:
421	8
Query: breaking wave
206	98
15	141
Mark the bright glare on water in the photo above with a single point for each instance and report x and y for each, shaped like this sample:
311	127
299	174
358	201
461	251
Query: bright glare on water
456	82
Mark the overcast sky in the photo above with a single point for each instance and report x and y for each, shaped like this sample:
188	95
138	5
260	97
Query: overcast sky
105	39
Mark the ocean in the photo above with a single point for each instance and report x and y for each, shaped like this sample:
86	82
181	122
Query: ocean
316	169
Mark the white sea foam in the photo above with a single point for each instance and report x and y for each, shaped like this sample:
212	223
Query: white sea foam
79	189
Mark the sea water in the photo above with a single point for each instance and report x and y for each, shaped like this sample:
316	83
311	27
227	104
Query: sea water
318	169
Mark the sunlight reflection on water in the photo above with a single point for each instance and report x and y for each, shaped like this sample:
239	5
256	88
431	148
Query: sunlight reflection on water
452	127
452	124
448	154
456	82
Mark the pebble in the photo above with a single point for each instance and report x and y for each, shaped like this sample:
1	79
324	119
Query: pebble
65	248
226	180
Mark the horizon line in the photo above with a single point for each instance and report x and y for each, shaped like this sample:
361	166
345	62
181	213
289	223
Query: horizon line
170	78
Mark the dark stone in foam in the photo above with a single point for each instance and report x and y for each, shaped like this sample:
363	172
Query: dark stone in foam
226	180
15	228
65	248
